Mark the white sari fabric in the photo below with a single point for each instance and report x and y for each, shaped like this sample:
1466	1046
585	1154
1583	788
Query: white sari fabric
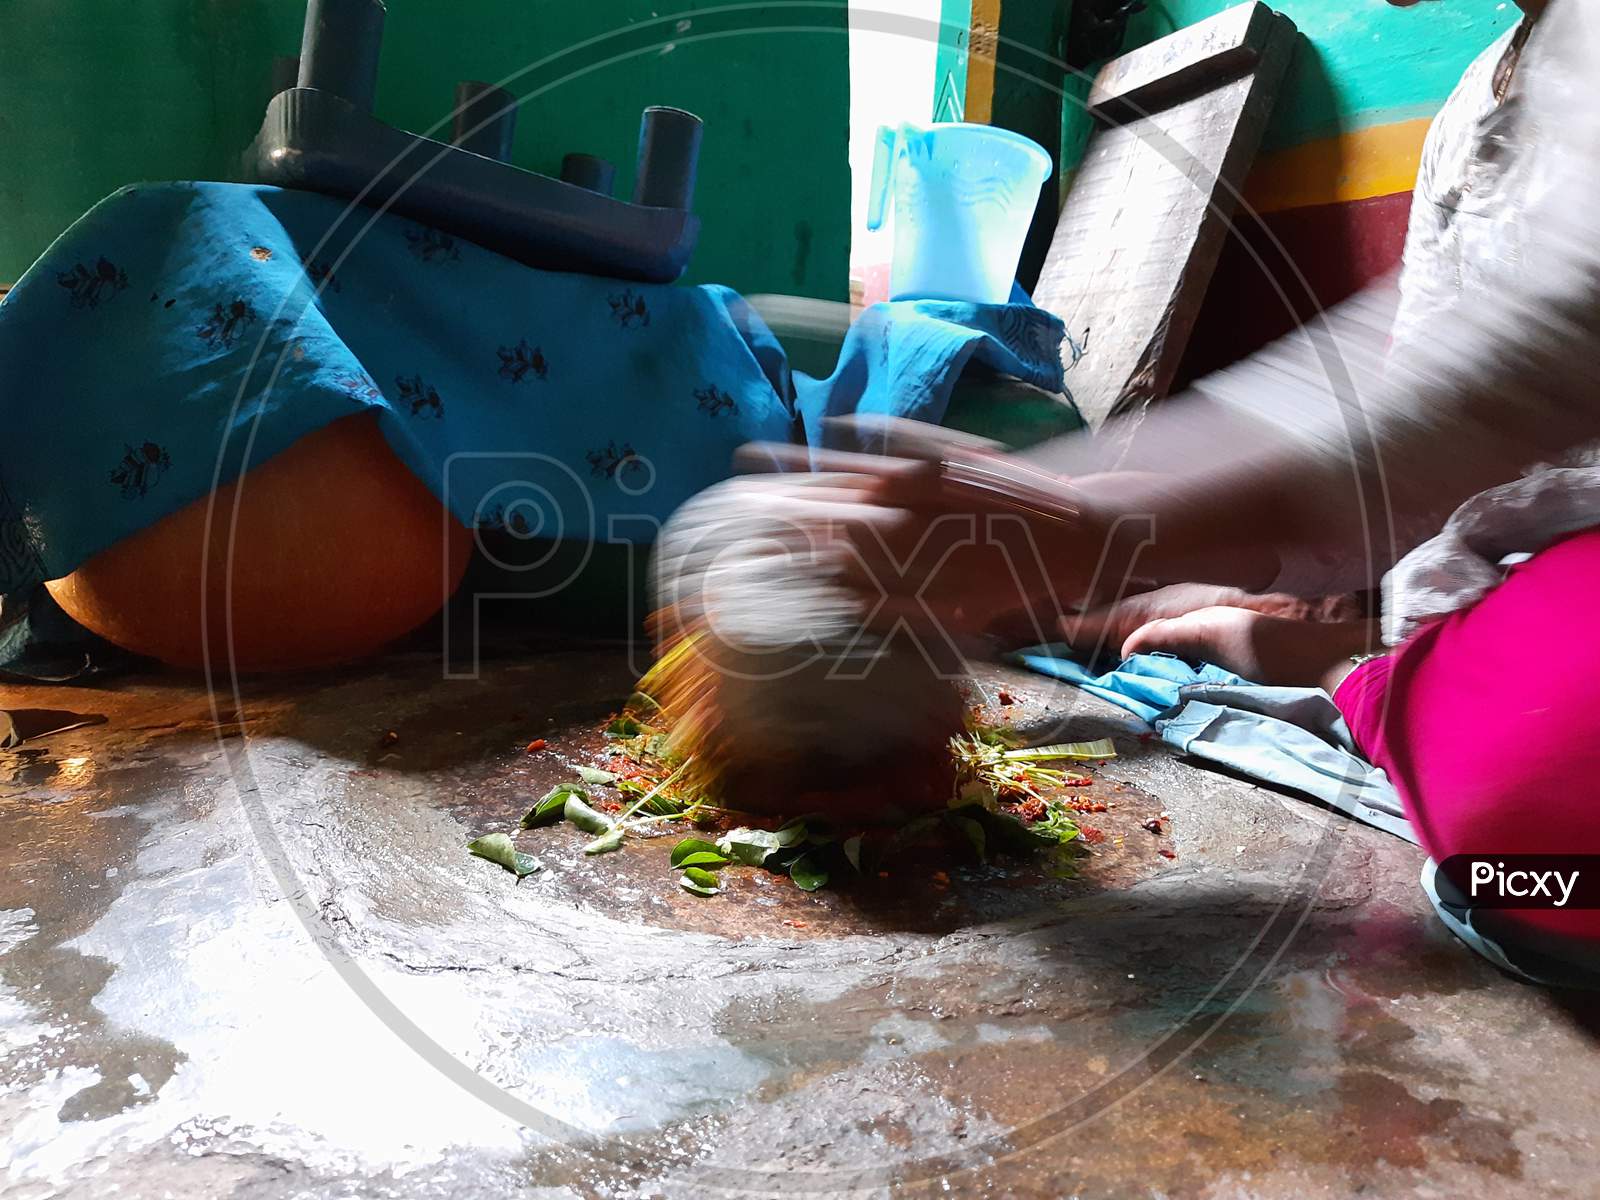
1483	361
1466	236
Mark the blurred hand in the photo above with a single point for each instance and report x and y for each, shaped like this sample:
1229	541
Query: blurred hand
955	542
1106	630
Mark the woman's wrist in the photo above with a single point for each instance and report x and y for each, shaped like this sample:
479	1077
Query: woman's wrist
1159	540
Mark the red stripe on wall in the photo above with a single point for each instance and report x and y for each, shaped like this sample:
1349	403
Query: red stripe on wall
1330	249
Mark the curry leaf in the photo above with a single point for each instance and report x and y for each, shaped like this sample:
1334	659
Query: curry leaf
808	872
1009	832
705	858
584	817
911	832
691	846
852	851
752	847
606	842
700	882
552	807
596	775
973	831
498	848
1101	748
975	792
641	702
625	727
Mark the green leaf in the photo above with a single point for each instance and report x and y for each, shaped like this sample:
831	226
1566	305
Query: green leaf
625	727
910	832
973	831
606	842
1002	736
700	882
1101	748
1056	827
690	846
596	776
656	801
852	851
640	702
704	858
808	872
1005	830
752	847
661	805
552	807
584	817
975	792
813	829
499	848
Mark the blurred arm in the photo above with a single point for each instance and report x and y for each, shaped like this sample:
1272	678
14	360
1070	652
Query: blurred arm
1313	465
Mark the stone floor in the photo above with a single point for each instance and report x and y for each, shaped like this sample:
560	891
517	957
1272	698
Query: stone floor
244	953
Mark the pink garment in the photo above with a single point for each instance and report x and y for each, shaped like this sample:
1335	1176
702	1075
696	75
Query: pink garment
1488	723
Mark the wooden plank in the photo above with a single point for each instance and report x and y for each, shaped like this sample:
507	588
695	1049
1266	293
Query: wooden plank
1186	62
1144	224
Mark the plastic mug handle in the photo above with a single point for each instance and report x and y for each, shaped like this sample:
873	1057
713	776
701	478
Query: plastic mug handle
882	161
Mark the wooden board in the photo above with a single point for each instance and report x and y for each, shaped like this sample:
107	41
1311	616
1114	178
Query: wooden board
1180	121
1191	60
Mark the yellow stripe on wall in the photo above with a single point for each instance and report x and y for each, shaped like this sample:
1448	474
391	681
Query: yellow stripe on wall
1378	161
984	40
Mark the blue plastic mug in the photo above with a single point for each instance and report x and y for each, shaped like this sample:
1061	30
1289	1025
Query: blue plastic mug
964	196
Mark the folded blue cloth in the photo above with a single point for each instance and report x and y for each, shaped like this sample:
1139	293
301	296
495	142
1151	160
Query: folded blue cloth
180	331
1291	738
901	359
1147	685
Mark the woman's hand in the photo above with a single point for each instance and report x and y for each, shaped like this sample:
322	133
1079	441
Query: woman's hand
954	543
966	542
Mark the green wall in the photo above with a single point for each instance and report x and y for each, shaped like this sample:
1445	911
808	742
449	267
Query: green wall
95	94
950	60
1360	62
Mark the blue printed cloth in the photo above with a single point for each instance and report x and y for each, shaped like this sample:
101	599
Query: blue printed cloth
180	331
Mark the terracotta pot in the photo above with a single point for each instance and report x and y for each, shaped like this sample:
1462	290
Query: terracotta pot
337	550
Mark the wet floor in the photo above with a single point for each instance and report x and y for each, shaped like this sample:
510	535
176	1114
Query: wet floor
243	952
